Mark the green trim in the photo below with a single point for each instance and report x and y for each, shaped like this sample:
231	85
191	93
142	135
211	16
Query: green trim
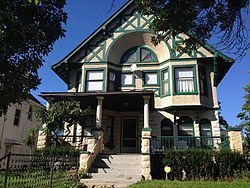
195	92
161	81
146	129
202	72
85	152
98	30
104	78
138	54
43	129
157	72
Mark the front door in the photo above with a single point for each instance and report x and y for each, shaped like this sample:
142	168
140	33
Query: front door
129	135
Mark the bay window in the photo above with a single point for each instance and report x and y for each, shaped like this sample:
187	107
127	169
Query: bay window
94	80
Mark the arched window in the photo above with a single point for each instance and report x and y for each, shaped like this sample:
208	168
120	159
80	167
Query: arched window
185	126
166	127
206	133
138	54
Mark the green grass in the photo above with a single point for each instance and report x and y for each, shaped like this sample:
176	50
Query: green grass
190	184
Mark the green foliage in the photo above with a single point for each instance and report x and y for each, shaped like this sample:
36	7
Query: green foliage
205	164
201	19
30	139
190	184
65	150
27	33
58	115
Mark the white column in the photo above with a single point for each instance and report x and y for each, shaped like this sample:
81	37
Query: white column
146	111
99	112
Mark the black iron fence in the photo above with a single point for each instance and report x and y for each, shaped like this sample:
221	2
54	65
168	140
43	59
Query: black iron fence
161	143
21	170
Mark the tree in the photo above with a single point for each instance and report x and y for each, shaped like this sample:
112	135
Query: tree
59	116
200	19
28	30
244	115
30	139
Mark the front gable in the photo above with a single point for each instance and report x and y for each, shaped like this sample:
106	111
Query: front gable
125	29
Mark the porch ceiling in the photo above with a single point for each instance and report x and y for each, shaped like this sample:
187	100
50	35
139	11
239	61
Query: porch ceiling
118	101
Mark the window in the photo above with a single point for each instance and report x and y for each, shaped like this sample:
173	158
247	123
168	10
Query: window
30	113
138	54
89	125
150	78
127	79
184	80
17	117
202	80
206	133
94	81
112	81
185	126
164	83
78	81
166	127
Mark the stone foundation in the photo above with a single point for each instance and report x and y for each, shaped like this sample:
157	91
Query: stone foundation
235	140
145	150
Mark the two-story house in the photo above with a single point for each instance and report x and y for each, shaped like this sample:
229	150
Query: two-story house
16	124
138	90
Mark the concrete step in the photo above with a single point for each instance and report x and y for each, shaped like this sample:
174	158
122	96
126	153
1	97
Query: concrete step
115	170
115	164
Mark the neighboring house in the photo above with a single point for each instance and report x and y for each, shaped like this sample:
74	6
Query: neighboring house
138	90
15	125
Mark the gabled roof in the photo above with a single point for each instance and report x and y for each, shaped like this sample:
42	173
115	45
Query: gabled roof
62	67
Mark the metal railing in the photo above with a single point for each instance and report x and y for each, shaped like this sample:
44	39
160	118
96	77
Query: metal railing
22	170
161	143
78	142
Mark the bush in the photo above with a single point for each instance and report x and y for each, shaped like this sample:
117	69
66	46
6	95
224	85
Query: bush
61	151
205	164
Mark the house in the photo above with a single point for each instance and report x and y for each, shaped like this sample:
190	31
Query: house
15	126
145	98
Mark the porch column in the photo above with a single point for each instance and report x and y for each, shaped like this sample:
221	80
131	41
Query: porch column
146	111
146	140
99	112
99	121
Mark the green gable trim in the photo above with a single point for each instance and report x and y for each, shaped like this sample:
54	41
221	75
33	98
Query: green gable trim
98	30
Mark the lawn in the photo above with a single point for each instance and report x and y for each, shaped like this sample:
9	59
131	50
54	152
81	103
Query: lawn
190	184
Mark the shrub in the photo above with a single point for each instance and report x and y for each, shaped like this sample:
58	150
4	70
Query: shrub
61	151
205	164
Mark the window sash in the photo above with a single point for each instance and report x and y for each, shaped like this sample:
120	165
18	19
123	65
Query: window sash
151	78
17	117
164	87
184	80
94	85
126	79
94	81
112	77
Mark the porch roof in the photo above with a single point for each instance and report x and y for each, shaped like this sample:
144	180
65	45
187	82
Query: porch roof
117	100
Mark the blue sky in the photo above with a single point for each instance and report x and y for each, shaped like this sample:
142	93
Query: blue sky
86	16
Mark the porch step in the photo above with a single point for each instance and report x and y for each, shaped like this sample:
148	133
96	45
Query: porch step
115	170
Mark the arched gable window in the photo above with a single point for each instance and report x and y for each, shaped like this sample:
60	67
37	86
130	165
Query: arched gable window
206	133
166	127
138	54
185	126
